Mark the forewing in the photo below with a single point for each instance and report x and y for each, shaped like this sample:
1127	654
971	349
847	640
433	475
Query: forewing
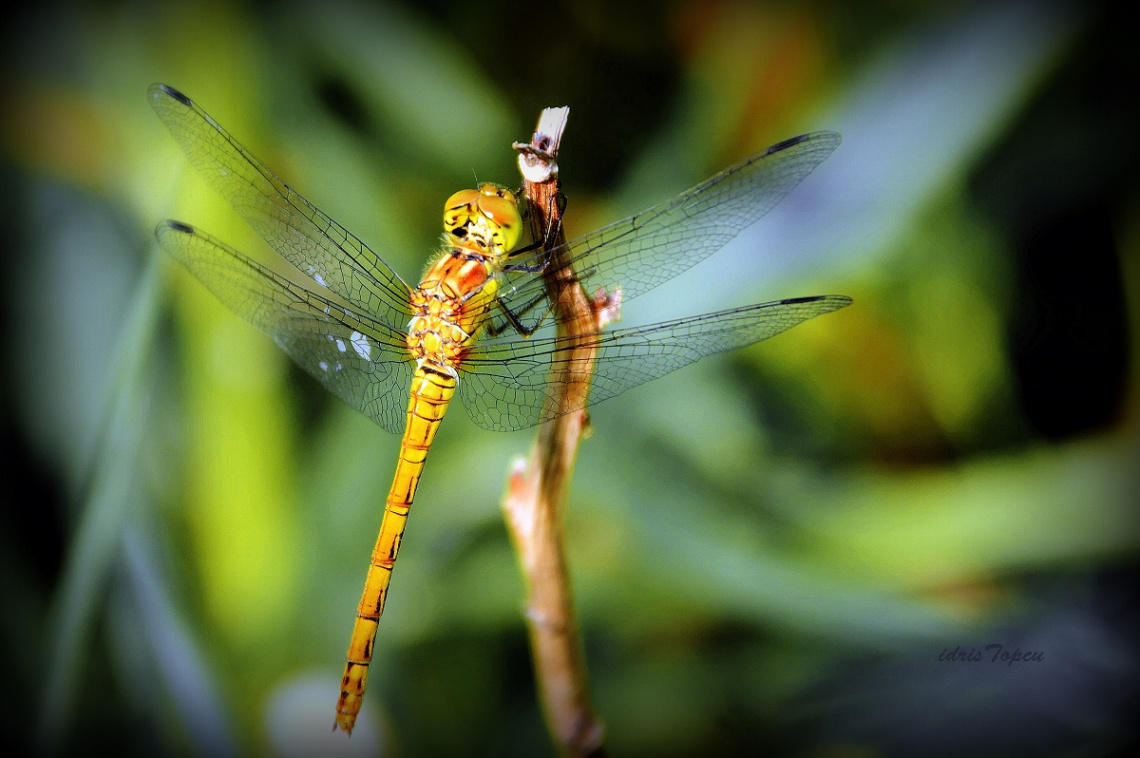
360	360
504	384
319	247
640	252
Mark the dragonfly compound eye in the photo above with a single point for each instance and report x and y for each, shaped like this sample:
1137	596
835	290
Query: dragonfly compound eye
458	210
502	210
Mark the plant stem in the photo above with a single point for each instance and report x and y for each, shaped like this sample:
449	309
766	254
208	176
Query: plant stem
535	501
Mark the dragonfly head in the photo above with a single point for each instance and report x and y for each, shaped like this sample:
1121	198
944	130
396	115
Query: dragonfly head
484	217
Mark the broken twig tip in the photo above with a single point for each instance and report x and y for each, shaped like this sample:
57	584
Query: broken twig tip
538	158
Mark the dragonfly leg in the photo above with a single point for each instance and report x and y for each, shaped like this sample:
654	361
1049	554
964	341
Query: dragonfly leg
546	242
513	320
527	268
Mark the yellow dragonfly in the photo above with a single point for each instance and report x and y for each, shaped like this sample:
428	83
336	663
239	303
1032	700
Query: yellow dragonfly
398	353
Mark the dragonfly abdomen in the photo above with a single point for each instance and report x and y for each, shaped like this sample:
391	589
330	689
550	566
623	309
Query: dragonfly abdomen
449	308
432	390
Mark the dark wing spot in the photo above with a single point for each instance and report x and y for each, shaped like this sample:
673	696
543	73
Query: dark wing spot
176	94
786	144
178	226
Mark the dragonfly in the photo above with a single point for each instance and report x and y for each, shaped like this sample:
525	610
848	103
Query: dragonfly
399	353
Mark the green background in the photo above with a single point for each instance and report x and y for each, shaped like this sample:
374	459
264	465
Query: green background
771	550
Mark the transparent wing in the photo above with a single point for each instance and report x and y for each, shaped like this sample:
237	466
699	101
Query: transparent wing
318	246
504	384
640	252
359	352
361	360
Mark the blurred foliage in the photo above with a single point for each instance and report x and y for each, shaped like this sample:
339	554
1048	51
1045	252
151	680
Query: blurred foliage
772	549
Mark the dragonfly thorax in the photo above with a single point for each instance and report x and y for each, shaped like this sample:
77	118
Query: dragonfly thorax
486	219
450	306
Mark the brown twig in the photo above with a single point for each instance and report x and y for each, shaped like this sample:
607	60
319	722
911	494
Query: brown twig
535	501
